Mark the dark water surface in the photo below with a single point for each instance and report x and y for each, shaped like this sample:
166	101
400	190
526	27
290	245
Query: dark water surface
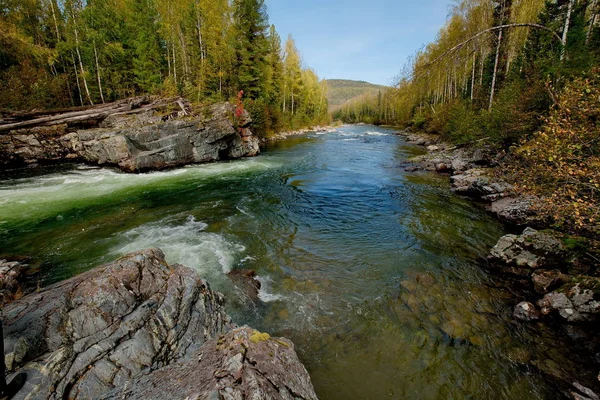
370	270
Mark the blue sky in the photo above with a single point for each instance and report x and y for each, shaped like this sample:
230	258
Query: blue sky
366	40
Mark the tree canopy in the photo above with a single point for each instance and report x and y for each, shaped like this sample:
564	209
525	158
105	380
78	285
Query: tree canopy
58	53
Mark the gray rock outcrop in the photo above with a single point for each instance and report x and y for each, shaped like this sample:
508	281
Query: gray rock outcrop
525	311
556	273
577	301
11	280
93	335
241	364
138	140
531	250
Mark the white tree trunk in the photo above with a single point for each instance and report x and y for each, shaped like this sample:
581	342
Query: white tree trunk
473	79
566	30
77	80
495	75
98	78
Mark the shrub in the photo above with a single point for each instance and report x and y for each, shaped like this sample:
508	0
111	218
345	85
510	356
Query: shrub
561	162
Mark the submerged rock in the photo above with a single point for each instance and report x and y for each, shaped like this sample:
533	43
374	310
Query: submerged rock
245	280
11	280
100	331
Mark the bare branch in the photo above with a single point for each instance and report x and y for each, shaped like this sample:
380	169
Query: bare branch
495	28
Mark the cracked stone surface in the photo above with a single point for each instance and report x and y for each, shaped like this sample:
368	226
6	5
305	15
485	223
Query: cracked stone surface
578	301
530	250
137	143
85	336
241	364
11	277
140	328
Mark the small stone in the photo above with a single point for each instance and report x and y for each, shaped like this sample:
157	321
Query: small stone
442	167
525	311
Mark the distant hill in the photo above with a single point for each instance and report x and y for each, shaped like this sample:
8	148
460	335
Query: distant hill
341	90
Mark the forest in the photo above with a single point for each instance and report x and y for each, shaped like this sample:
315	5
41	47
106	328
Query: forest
520	76
66	53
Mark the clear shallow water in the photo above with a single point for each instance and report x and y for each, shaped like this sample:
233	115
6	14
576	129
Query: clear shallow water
370	270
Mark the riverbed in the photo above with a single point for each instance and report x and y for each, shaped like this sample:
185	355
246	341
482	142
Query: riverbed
373	272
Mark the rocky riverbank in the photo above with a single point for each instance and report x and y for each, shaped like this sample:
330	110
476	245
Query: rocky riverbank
140	328
285	135
554	277
135	135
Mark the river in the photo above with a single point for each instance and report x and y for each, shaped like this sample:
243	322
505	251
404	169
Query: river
373	272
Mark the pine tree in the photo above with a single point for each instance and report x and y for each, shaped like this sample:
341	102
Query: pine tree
148	60
251	46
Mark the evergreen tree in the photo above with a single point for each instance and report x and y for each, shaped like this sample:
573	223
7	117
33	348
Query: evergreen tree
251	46
148	60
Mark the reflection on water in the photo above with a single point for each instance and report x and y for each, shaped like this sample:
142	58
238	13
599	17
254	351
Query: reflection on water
371	271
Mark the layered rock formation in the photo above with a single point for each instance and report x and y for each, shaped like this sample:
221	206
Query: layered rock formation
139	135
140	328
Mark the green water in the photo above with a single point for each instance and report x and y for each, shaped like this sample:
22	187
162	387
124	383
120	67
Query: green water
371	271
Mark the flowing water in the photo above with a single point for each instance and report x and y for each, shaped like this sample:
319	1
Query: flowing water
372	271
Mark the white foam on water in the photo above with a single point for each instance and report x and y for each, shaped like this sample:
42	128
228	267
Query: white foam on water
265	294
373	133
49	194
184	243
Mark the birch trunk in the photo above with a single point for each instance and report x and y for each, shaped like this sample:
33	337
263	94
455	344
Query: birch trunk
495	75
473	79
55	20
85	85
566	30
98	78
77	79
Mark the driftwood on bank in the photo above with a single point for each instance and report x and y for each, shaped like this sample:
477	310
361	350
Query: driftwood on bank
88	113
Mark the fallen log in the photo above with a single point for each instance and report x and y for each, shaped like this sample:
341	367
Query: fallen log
57	117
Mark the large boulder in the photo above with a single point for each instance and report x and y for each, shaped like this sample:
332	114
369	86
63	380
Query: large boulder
92	333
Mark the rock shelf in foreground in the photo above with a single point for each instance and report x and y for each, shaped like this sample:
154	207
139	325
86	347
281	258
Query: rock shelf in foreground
140	328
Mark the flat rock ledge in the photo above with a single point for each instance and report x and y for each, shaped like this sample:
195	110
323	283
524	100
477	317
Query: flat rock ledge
135	135
472	175
140	328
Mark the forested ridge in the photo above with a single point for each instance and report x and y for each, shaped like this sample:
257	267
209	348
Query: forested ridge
64	53
521	77
341	90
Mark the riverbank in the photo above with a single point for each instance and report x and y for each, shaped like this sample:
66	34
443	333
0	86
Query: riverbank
552	275
138	134
284	135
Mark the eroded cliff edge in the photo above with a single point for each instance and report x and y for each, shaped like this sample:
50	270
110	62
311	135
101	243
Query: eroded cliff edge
136	135
140	328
